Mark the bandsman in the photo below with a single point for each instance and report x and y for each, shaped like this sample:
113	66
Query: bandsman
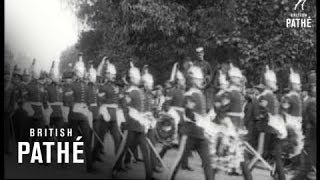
108	95
192	135
136	125
270	122
234	103
80	117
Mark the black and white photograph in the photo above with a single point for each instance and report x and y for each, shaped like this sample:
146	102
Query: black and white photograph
160	89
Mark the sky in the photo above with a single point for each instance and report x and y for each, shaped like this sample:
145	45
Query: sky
40	29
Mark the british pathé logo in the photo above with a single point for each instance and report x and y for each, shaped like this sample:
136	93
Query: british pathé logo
299	19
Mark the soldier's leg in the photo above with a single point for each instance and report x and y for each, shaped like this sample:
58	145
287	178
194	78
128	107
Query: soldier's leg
145	150
131	140
100	127
114	131
87	139
186	144
278	159
203	150
245	169
153	157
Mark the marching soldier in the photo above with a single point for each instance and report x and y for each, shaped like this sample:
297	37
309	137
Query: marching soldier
80	115
234	106
175	101
270	121
34	104
192	135
55	98
20	117
147	81
309	156
136	125
291	106
109	99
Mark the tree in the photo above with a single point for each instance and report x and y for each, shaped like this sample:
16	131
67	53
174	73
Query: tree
70	55
250	34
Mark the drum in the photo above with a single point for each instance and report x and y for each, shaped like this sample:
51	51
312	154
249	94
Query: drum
166	130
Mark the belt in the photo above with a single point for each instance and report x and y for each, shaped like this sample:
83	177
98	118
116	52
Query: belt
93	104
36	103
181	109
236	114
80	104
110	105
55	103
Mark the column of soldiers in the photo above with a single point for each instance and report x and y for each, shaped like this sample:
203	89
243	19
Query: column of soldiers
93	103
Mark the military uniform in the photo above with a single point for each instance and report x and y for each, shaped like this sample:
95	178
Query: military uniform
136	131
107	120
55	101
234	103
195	135
175	100
269	108
79	117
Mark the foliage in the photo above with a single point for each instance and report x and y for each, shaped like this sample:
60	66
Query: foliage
70	55
161	32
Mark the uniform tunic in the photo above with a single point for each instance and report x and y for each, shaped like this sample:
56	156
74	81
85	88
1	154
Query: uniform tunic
36	93
295	104
189	128
235	101
55	95
93	99
137	102
111	97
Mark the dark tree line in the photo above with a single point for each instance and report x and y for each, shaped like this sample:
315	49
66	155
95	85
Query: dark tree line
248	33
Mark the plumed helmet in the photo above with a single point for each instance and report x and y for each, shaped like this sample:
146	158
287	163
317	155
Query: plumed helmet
223	78
54	72
17	70
79	68
110	68
92	74
68	73
199	49
312	77
35	69
147	77
134	72
269	75
234	71
43	75
101	67
179	75
195	72
294	77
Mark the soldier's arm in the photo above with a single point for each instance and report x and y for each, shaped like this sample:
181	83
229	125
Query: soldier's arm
189	107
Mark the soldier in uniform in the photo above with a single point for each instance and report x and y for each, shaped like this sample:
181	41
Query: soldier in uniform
148	82
20	117
234	106
270	122
309	156
291	109
136	125
34	104
55	98
175	101
109	100
80	115
192	135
